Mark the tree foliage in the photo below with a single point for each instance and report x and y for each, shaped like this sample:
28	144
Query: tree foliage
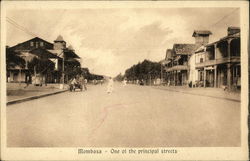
119	77
13	59
145	70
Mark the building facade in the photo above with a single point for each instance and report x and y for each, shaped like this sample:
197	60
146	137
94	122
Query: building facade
218	63
43	61
180	62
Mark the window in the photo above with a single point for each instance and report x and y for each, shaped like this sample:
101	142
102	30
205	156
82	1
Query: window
201	60
41	44
31	43
37	44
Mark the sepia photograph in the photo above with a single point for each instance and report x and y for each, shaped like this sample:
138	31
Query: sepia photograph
115	79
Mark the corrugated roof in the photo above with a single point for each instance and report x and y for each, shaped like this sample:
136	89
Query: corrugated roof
233	28
43	53
57	52
184	49
201	32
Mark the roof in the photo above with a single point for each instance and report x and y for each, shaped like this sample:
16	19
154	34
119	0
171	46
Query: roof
70	54
57	52
43	53
200	49
184	49
35	38
201	32
234	36
233	28
59	38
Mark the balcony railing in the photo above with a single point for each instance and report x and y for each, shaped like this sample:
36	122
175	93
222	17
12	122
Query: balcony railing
218	61
177	67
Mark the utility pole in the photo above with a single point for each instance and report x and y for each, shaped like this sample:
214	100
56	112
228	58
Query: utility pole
63	69
62	85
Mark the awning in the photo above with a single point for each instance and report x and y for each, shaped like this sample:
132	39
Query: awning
70	54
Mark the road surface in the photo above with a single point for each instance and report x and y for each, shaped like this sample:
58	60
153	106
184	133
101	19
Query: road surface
131	116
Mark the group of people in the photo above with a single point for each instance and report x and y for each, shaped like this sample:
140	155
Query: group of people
78	81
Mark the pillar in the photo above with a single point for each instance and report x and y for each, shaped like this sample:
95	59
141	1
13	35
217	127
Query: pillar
228	48
174	77
215	51
229	76
215	76
204	77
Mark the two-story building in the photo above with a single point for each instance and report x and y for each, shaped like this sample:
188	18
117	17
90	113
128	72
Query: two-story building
44	51
218	63
180	60
179	70
201	39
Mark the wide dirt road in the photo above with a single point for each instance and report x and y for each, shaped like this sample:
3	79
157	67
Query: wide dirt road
132	116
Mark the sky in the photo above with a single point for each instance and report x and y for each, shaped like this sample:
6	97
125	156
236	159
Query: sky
111	40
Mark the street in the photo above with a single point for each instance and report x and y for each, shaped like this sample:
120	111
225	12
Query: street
131	116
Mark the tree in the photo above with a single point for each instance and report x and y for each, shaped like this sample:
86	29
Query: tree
145	70
13	59
119	77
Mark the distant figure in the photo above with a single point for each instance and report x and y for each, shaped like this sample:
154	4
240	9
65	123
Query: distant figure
73	82
101	81
82	82
110	85
124	82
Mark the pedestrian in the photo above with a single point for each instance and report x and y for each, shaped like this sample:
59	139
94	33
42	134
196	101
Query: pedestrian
82	81
73	84
110	85
124	82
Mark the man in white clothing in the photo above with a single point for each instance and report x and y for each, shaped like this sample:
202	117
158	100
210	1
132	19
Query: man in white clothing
110	85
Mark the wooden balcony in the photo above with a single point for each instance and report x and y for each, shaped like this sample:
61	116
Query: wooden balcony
218	61
177	67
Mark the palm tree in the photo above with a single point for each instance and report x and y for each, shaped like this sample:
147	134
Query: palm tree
13	59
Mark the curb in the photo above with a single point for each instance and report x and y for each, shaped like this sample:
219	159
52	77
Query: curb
33	97
229	99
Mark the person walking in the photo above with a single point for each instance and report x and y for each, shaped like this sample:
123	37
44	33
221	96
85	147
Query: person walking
124	82
82	81
110	85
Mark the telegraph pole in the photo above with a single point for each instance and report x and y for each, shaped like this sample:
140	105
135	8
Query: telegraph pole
62	69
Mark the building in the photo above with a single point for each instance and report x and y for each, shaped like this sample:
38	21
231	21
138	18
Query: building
201	39
179	71
218	63
180	61
43	61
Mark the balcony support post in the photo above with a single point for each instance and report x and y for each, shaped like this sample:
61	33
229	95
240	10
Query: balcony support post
229	76
228	48
204	79
215	76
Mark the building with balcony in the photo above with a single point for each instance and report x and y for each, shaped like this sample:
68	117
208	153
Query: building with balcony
218	63
180	61
177	69
40	60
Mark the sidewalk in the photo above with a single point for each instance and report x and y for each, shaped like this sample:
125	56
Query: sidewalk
209	92
18	92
